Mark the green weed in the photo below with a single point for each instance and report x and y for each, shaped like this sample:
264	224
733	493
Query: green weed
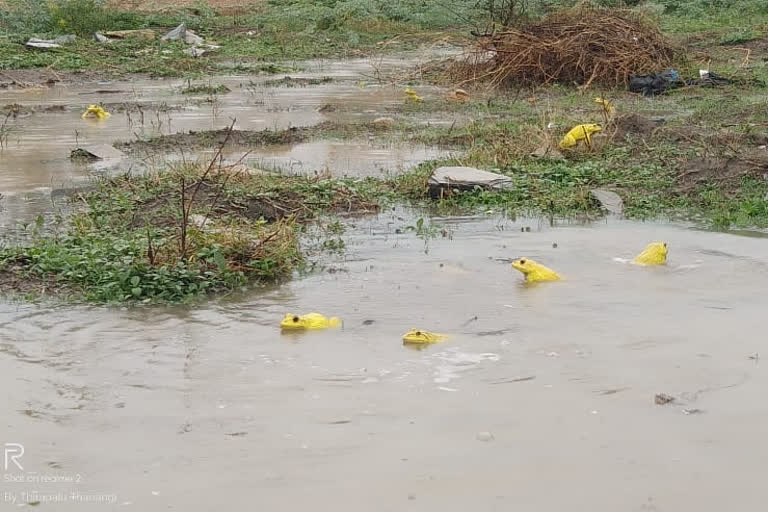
136	243
205	89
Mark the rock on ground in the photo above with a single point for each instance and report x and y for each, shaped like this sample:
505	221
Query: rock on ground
465	178
608	200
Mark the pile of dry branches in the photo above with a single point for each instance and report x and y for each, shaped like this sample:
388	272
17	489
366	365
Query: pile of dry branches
583	45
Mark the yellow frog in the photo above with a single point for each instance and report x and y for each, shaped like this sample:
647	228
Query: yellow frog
422	337
309	321
654	254
410	95
95	111
579	132
533	271
607	105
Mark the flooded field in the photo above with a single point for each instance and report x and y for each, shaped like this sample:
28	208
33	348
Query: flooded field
34	159
542	398
538	387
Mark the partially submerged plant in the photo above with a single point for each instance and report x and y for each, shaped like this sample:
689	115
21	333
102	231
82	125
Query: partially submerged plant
176	235
204	89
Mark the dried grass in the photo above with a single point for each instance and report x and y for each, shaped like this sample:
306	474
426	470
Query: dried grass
581	46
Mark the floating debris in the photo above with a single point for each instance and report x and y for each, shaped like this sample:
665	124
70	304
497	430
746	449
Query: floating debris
484	437
606	392
663	399
512	380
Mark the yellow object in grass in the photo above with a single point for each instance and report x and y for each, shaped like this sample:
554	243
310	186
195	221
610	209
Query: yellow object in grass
579	132
418	336
309	321
654	254
607	105
95	111
534	271
410	95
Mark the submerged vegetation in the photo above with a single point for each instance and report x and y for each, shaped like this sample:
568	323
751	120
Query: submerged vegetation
177	235
210	89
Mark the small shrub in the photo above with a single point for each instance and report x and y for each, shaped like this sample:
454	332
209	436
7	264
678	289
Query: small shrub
26	16
81	17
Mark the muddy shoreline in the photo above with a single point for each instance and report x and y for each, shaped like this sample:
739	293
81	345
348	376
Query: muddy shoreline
24	78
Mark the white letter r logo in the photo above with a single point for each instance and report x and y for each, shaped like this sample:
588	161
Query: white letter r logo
13	452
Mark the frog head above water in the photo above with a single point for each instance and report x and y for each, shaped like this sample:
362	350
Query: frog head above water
534	271
654	254
309	321
96	111
419	336
291	321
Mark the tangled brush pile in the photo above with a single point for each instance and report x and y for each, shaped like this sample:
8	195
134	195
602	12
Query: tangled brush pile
583	45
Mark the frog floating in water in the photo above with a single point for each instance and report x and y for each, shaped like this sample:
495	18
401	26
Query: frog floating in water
534	271
307	322
420	337
654	254
96	111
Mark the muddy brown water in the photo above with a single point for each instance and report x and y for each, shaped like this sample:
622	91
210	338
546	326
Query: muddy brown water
542	399
35	155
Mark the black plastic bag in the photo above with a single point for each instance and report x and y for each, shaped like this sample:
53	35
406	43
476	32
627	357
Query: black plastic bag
655	83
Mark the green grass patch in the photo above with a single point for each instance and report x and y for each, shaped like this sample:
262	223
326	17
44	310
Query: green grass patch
281	30
209	89
703	162
117	58
178	236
